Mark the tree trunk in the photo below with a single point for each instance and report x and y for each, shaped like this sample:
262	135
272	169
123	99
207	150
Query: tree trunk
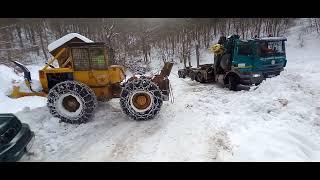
184	55
197	55
41	41
34	40
189	58
173	45
19	35
46	36
26	33
259	27
8	45
32	36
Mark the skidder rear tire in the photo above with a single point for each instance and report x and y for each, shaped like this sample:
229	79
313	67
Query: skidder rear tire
73	102
141	99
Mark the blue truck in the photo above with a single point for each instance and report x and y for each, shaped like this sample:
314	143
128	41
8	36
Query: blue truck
241	62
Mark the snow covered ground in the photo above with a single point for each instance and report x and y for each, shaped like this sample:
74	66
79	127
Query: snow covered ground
277	121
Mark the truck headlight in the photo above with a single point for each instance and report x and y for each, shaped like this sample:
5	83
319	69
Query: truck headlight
256	75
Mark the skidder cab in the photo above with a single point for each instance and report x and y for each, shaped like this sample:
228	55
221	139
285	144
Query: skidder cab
85	73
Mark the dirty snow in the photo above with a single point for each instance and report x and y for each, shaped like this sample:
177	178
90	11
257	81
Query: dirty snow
54	45
276	121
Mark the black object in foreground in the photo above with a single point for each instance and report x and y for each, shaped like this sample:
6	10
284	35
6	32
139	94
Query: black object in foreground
15	138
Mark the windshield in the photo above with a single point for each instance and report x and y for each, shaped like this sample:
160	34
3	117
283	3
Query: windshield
271	48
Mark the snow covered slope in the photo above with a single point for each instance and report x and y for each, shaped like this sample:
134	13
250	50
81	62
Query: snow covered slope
277	121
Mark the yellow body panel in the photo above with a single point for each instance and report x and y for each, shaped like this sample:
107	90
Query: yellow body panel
101	81
99	77
16	93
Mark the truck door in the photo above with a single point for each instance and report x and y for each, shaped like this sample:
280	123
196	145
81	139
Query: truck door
243	56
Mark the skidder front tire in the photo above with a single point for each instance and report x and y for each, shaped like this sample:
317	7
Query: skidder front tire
73	102
141	99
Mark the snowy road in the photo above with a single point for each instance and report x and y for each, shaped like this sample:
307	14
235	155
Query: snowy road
279	121
181	132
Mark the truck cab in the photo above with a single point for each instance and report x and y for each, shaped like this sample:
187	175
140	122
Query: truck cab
250	61
241	62
257	59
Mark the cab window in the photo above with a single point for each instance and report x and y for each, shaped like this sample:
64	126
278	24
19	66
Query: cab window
244	50
81	59
88	58
97	59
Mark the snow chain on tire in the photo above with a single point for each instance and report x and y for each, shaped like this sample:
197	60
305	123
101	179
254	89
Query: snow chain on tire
81	92
145	85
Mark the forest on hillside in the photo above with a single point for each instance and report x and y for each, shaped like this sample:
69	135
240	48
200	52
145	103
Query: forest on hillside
131	37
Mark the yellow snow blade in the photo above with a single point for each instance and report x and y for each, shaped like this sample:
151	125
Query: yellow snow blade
16	93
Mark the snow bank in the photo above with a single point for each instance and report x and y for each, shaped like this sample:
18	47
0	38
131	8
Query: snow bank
52	46
8	78
275	144
279	121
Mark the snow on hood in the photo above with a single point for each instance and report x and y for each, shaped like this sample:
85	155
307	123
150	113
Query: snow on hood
54	45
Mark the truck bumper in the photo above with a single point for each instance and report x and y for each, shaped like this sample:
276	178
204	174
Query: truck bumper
17	147
257	77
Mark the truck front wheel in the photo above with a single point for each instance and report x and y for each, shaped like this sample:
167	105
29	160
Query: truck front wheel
233	82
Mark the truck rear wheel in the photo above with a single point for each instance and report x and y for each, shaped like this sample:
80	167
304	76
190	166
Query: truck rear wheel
73	102
192	76
182	73
200	78
141	99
